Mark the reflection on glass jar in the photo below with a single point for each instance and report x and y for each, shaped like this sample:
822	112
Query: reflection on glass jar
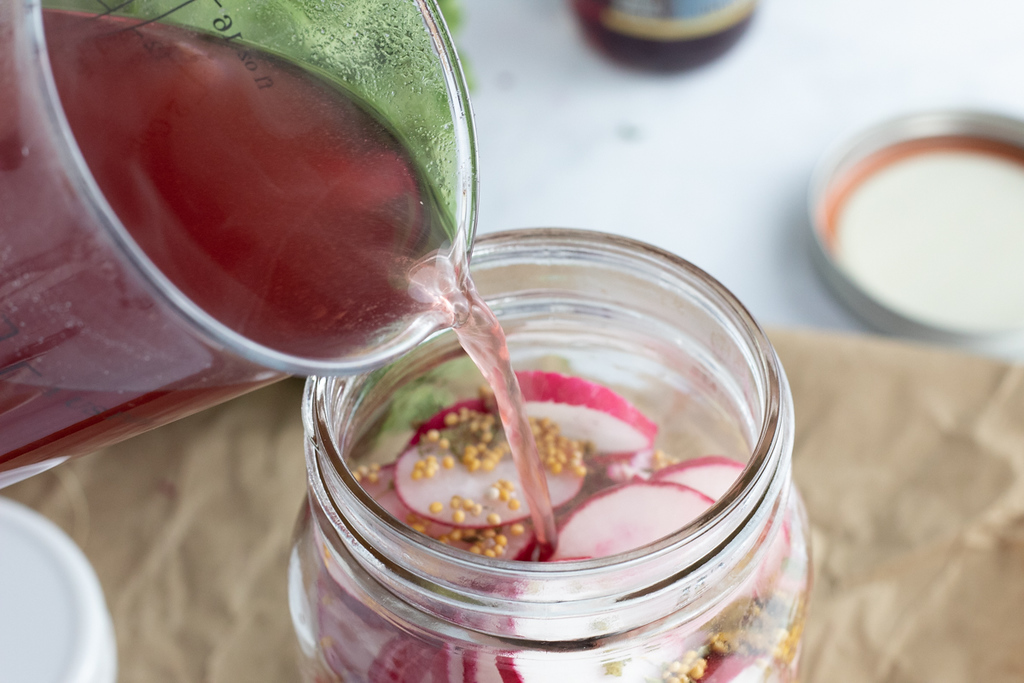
378	593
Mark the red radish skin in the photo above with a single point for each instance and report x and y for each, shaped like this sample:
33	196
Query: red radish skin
587	411
733	669
627	517
712	475
404	659
473	405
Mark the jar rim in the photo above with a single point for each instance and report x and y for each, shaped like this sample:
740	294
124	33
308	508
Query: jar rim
687	552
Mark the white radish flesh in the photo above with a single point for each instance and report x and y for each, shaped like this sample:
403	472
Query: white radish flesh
587	411
627	517
423	494
712	475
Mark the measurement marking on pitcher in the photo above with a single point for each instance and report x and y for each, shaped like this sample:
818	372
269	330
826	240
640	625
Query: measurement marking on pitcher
10	369
222	25
9	324
109	9
158	17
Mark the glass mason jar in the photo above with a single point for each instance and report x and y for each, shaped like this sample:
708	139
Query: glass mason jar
722	599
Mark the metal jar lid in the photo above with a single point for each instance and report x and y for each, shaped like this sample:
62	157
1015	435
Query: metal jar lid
860	161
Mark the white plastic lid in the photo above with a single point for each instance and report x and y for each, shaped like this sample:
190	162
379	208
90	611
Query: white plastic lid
54	623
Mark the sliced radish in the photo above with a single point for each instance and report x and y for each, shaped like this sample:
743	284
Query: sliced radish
422	495
734	669
587	411
476	667
404	659
383	491
712	475
631	467
628	516
473	405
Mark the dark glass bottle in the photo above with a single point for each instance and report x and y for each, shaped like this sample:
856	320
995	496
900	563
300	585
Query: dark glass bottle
664	35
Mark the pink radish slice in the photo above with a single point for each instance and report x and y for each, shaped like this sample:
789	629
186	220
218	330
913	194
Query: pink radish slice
381	481
384	493
733	669
627	517
404	659
473	405
476	667
587	411
420	494
351	634
712	475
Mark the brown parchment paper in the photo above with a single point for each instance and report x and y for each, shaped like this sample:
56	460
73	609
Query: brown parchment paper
911	461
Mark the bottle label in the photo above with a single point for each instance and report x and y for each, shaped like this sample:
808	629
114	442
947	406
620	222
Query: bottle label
670	20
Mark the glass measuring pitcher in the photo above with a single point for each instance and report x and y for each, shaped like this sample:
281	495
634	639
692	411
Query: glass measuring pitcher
198	197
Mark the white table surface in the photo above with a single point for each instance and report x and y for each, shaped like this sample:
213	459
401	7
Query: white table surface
714	164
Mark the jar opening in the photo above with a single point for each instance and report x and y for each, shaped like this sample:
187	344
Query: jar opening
609	309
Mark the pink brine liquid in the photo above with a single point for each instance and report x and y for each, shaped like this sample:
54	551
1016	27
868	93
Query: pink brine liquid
269	197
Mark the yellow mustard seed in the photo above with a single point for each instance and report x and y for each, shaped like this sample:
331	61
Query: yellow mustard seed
444	444
433	436
436	506
458	516
448	462
451	419
517	529
513	504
